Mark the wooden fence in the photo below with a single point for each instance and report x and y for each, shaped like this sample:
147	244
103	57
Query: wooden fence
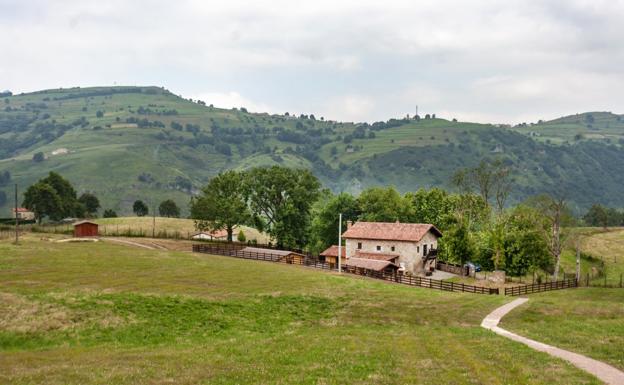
452	268
310	261
539	287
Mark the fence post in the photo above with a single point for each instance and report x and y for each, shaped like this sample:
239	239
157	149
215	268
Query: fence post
620	279
587	280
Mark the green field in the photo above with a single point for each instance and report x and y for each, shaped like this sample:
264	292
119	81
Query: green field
602	255
128	143
586	321
102	313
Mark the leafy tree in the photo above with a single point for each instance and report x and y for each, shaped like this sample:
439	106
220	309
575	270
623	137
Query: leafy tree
525	248
90	202
281	199
325	222
489	179
457	245
66	193
43	200
555	215
99	114
140	208
38	157
241	236
434	206
222	204
378	204
597	215
109	213
169	209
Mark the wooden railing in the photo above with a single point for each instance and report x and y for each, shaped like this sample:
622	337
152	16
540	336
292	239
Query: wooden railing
539	287
305	260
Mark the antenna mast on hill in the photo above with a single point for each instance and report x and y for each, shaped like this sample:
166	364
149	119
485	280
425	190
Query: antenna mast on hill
416	111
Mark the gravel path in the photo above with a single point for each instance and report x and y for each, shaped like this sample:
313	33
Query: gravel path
145	245
606	373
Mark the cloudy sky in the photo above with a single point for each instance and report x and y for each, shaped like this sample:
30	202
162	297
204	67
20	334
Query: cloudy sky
484	60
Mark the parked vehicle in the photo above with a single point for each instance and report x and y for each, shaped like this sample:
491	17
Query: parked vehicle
473	266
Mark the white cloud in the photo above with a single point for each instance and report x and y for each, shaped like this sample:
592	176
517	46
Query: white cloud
355	60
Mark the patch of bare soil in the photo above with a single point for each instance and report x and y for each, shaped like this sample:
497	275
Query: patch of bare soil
23	315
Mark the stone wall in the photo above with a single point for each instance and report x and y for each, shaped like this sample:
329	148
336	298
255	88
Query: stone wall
411	253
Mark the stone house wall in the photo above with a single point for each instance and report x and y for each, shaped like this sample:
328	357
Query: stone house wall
411	253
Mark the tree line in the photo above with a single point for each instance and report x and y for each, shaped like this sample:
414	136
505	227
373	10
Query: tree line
54	198
291	206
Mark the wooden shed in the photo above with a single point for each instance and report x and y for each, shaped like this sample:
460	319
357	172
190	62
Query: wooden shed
85	229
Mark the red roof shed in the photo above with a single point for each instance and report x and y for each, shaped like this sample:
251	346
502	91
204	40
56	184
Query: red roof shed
85	229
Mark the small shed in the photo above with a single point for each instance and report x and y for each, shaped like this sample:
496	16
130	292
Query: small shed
85	229
285	256
331	254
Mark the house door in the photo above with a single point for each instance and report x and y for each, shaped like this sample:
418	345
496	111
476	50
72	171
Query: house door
425	250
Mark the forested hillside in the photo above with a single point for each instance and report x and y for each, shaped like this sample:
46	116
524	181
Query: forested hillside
128	143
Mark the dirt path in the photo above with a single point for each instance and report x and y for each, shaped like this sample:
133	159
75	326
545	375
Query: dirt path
606	373
145	245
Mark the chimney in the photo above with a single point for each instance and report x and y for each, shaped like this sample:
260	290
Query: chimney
349	224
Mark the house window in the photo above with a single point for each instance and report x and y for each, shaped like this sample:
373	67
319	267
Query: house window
359	245
424	250
418	249
378	248
392	248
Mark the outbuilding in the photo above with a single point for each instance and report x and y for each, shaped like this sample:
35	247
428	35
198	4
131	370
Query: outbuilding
85	229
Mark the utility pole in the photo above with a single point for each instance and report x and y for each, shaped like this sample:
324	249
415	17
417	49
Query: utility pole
16	218
154	220
340	242
578	259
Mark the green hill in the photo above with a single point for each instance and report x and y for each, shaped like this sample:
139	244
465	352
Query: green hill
127	143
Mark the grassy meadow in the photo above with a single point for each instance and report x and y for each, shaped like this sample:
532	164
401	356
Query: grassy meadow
587	321
104	313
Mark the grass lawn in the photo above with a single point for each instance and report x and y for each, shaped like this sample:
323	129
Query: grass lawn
103	313
609	247
184	227
589	321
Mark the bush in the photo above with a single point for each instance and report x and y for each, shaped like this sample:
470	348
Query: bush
241	236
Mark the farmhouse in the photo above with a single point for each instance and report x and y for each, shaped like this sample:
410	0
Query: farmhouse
412	247
219	235
23	214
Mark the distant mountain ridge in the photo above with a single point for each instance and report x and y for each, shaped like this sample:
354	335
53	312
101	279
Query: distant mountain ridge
127	143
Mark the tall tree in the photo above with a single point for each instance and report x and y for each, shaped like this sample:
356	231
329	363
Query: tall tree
90	202
489	179
168	208
325	222
222	204
378	204
281	199
66	193
434	206
43	201
140	208
555	216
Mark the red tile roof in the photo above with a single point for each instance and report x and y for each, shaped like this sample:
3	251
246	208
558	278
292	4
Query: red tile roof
332	251
390	231
21	210
377	256
371	264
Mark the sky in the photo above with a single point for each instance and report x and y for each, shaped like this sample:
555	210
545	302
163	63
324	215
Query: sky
355	60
